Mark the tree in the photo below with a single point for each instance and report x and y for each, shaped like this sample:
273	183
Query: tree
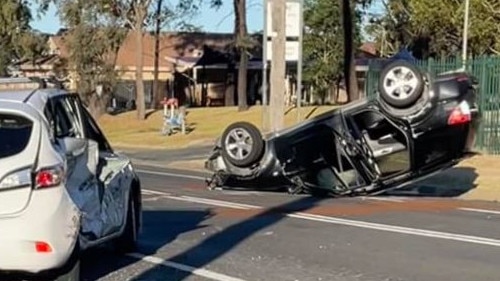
434	28
94	64
350	17
17	39
93	40
349	62
322	44
171	17
136	16
329	44
242	43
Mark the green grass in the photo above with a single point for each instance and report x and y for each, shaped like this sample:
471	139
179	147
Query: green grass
125	130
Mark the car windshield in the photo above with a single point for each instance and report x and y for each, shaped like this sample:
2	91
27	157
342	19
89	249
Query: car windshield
15	132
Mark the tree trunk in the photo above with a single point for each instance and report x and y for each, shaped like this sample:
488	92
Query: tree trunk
349	52
241	34
140	100
156	88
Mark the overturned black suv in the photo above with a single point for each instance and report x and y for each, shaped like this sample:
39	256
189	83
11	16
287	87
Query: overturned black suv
417	126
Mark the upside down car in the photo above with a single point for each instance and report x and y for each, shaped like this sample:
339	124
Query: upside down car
417	125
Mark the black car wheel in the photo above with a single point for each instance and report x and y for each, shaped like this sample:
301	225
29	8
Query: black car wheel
401	84
127	241
242	144
70	271
73	274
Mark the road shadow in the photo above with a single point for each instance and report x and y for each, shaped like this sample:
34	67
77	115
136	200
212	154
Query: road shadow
453	182
217	245
159	229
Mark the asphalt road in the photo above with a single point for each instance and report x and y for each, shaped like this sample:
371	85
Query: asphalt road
191	233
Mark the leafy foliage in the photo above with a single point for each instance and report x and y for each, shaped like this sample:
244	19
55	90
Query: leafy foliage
324	43
434	28
17	39
92	40
107	19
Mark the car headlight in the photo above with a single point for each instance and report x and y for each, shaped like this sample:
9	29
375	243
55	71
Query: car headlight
19	178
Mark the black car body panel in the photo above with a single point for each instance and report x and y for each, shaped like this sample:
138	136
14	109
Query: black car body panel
361	147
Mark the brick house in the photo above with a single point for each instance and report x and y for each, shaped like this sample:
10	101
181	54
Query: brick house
178	52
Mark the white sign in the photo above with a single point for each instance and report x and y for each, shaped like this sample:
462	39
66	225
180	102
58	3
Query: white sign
292	19
291	50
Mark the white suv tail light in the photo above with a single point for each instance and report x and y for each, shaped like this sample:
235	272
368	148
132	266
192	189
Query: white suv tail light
48	177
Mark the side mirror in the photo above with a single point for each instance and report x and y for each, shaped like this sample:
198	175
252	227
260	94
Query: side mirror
73	146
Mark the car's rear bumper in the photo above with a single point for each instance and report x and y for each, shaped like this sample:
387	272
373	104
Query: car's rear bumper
52	218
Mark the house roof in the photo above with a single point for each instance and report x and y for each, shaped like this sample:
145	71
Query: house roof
172	44
369	48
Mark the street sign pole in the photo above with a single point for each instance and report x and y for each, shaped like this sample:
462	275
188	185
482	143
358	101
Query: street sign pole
299	62
265	109
465	34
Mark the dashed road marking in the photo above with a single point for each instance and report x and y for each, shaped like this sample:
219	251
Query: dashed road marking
349	222
171	174
186	268
480	211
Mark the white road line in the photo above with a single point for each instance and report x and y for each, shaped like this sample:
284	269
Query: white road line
354	223
186	268
153	192
400	229
170	174
219	202
480	211
206	201
389	199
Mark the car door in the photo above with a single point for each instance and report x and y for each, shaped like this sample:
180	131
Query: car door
354	147
114	176
81	161
386	148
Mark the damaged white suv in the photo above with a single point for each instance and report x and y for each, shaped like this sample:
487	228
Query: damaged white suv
62	188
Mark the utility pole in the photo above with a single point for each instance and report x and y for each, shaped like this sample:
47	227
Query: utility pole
278	65
465	35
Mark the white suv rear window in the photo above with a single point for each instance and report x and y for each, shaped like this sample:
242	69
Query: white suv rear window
15	132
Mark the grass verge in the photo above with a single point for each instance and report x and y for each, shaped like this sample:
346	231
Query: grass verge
124	130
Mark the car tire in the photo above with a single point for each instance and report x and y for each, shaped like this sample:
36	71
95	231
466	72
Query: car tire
127	241
235	146
420	109
398	92
73	274
70	271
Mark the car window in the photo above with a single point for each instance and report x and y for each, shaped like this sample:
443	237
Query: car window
66	120
93	132
15	132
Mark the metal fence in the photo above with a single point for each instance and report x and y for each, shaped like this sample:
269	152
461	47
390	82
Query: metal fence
486	70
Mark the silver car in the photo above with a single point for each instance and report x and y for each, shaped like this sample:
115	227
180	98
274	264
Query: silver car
62	188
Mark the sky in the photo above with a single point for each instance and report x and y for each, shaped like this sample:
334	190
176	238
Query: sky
211	20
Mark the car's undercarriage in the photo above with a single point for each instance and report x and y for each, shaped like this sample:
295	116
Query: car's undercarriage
365	147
